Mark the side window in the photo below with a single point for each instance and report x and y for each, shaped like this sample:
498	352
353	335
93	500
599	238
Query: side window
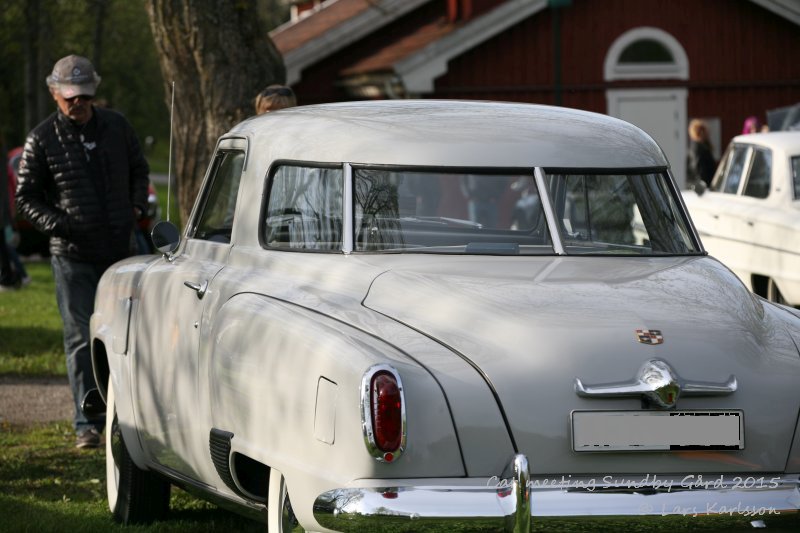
796	176
304	210
215	221
599	208
734	169
760	176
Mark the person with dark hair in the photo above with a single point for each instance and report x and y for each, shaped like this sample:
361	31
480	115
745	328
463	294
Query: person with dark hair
83	181
274	97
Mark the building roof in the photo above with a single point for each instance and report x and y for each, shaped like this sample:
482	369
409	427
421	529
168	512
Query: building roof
418	57
338	23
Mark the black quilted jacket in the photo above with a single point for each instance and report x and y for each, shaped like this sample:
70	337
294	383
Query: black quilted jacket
57	195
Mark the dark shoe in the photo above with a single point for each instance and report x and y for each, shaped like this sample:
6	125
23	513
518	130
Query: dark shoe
90	438
13	286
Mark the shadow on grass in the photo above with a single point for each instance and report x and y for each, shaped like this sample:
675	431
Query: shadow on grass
46	484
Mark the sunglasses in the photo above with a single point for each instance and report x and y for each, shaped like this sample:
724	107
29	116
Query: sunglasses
280	91
81	97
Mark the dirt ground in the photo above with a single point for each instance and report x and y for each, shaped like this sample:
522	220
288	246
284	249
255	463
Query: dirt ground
27	401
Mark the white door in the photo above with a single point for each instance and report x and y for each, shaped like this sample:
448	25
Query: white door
662	114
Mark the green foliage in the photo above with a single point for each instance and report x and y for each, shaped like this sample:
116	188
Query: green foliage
174	211
128	64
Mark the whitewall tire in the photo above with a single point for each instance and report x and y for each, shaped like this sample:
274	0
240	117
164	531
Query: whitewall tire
135	496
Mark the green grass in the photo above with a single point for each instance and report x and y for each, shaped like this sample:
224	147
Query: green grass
46	484
30	327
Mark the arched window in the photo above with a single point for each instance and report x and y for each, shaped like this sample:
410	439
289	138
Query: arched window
646	53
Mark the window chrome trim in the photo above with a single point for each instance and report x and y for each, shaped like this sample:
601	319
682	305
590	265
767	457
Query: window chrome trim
366	414
549	214
347	209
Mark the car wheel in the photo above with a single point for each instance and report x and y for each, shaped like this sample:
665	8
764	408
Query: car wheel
280	517
774	293
135	496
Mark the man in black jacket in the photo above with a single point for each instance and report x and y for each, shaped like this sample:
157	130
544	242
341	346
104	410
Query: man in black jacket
83	181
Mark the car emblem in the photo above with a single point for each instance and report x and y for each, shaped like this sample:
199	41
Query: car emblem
649	336
658	384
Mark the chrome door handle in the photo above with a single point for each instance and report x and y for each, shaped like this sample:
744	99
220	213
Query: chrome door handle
200	289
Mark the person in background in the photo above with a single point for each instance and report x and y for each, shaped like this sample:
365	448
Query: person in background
700	164
11	236
751	125
9	279
12	240
274	97
82	181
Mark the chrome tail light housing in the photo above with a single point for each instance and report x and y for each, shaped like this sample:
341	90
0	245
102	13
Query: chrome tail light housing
383	413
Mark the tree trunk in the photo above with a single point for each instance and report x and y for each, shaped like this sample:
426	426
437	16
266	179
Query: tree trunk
219	58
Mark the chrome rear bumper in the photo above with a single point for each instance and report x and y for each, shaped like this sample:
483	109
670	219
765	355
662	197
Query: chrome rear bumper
512	504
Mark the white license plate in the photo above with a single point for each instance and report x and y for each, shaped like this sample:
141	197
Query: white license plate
598	431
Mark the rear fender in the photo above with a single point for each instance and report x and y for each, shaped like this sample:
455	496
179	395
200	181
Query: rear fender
287	383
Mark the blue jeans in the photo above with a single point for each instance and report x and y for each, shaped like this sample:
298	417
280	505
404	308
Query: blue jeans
76	284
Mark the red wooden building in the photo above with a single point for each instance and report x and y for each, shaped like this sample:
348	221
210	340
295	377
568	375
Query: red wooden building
656	63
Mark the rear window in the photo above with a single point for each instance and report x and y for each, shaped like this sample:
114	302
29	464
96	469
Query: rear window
470	212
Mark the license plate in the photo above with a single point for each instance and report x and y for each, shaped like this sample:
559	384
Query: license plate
599	431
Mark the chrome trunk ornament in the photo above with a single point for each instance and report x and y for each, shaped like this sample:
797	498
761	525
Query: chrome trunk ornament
658	384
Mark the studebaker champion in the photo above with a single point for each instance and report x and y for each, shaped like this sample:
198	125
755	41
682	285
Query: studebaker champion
426	315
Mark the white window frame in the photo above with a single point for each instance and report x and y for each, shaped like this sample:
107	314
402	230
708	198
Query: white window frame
678	69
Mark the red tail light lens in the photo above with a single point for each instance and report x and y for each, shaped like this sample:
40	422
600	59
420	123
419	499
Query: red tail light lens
386	406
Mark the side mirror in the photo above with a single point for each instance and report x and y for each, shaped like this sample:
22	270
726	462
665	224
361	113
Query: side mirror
166	237
700	187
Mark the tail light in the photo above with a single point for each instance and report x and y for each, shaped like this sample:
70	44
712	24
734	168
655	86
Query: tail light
383	413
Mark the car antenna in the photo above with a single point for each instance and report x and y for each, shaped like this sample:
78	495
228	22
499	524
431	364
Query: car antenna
169	157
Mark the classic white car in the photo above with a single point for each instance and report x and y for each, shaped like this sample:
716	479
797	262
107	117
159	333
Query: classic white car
351	334
750	218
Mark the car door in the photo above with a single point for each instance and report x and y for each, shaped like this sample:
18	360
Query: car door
172	418
725	233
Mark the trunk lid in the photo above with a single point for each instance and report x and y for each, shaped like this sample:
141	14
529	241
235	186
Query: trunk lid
532	326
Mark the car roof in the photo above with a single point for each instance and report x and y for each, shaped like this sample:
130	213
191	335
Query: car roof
785	141
449	133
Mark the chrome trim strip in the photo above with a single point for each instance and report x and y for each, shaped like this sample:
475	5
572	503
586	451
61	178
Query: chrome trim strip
549	215
490	505
366	415
347	209
676	194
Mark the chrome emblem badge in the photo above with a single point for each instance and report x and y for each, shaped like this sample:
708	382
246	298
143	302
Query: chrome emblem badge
658	384
649	336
